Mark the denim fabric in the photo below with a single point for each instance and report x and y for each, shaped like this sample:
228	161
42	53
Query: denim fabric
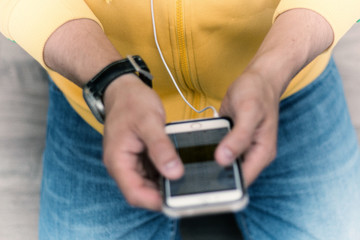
79	200
311	191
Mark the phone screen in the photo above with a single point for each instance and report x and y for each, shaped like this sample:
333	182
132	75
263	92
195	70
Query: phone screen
202	173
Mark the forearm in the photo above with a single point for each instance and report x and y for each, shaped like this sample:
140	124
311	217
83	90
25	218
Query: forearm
252	101
296	38
78	50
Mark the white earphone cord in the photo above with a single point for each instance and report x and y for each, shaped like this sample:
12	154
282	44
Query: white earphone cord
168	70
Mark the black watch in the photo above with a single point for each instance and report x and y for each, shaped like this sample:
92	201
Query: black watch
93	91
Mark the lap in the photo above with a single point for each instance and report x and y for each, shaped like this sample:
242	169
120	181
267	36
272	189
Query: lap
312	189
79	200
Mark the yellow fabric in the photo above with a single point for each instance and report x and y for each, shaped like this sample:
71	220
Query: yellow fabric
30	23
207	44
340	14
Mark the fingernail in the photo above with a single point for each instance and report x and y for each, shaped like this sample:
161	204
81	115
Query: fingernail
228	156
172	167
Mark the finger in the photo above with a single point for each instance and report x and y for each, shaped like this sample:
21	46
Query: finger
262	152
240	137
138	191
160	148
121	157
255	161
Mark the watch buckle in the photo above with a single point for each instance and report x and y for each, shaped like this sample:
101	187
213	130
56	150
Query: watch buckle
138	68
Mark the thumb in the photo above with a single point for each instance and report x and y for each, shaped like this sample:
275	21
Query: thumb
161	150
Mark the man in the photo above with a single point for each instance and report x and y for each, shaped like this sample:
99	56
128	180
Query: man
226	54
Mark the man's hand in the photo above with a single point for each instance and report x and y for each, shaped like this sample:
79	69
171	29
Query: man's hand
135	119
252	104
134	127
252	101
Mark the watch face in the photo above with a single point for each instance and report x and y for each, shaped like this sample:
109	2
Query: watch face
95	104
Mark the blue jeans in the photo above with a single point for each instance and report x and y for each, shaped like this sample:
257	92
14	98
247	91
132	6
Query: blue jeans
310	191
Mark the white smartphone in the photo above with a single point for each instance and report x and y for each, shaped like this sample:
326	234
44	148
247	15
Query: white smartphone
206	187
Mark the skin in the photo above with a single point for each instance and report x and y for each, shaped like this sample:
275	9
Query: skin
79	49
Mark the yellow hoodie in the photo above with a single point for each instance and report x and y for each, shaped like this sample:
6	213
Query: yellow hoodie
206	44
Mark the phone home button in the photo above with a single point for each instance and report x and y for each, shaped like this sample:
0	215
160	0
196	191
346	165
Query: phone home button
210	200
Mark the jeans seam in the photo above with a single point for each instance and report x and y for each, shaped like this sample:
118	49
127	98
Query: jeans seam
245	228
173	229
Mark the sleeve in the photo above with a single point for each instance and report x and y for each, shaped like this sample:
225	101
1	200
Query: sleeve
30	23
341	15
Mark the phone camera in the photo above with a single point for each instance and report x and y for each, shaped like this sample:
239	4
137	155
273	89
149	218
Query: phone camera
196	125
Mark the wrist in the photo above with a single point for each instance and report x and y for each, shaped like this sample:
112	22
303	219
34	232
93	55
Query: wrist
276	69
116	87
94	90
295	39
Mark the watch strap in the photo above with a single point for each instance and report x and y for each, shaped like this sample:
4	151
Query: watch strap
94	90
98	84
